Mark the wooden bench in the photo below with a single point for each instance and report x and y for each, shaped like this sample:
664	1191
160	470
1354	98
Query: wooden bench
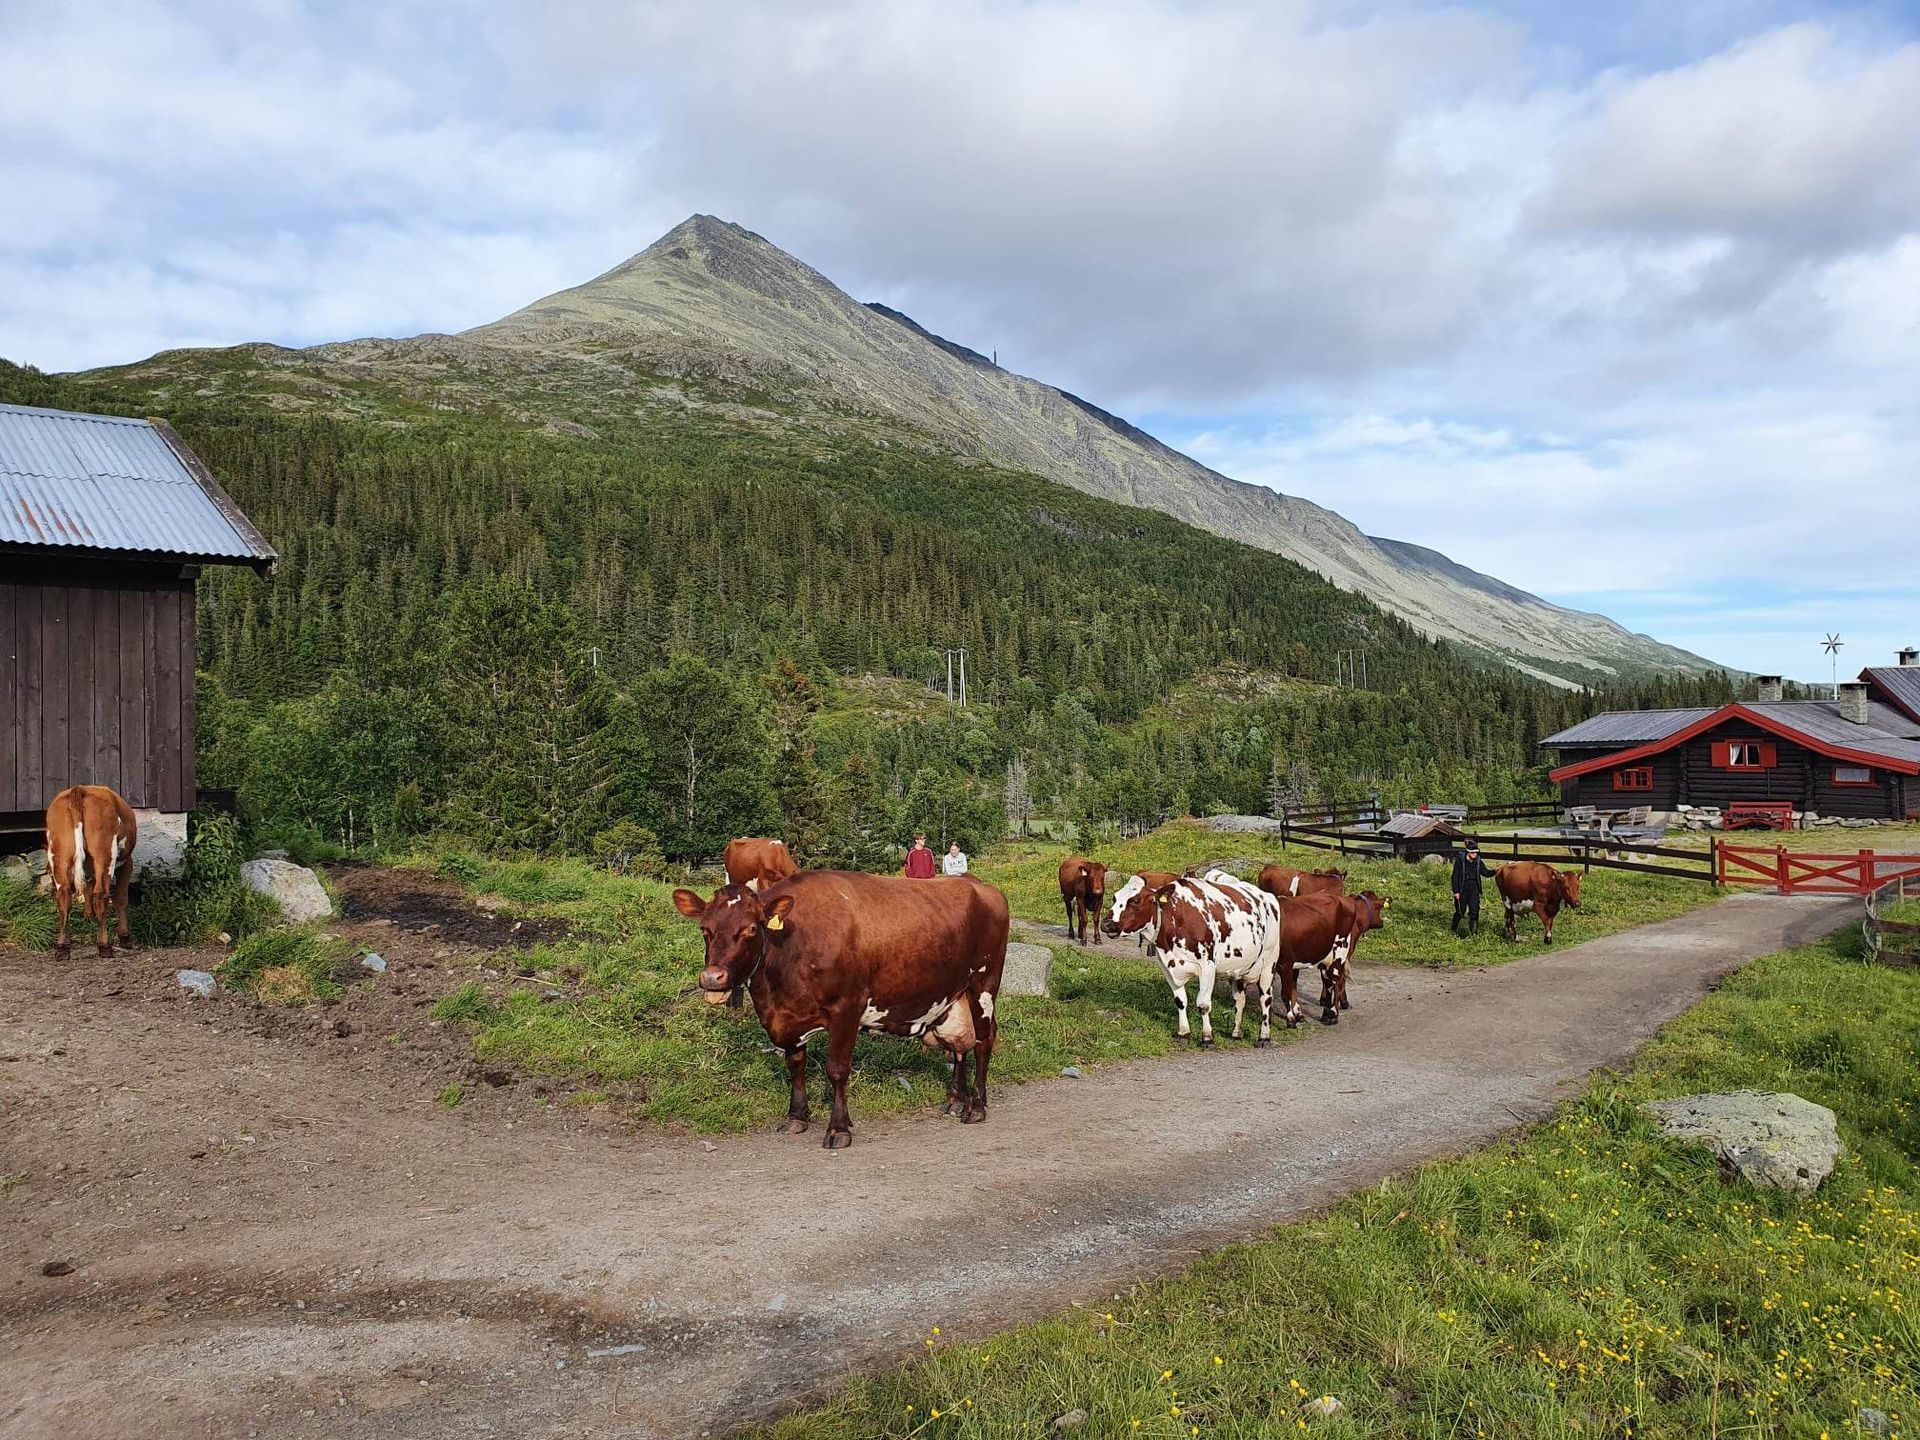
1761	814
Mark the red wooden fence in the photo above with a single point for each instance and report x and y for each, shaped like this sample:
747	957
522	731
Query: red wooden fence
1797	872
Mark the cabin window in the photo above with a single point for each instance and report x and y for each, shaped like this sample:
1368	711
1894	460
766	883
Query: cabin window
1852	775
1634	777
1744	755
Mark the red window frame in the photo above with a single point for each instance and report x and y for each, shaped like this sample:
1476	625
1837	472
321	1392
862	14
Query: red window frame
1866	784
1633	777
1723	755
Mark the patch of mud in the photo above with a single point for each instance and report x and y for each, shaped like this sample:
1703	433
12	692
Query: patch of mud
417	901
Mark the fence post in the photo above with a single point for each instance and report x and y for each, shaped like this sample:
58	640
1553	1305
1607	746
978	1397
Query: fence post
1714	860
1866	872
1781	880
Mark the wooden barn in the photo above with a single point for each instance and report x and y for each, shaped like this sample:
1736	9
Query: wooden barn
1857	756
104	525
1413	834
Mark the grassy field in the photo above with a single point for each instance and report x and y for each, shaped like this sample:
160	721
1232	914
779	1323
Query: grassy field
630	1024
1416	929
1886	839
1590	1279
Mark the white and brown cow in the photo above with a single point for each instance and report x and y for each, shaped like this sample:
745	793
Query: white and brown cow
1204	929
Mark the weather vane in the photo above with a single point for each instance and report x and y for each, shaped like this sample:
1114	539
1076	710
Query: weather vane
1832	646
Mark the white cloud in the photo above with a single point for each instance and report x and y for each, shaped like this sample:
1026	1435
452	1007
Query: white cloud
1639	322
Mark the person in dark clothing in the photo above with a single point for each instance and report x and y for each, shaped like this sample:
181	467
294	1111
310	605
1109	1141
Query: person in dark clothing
1468	871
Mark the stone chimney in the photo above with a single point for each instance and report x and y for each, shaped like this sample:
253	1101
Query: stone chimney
1770	687
1853	702
1909	658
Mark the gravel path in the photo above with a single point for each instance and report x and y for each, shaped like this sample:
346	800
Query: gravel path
267	1239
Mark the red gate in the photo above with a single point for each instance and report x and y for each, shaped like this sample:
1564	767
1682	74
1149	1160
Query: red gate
1797	872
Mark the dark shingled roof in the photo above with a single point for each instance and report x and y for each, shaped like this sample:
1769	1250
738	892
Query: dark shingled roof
1629	727
1900	683
1887	733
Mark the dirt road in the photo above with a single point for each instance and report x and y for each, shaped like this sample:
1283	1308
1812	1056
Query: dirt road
268	1239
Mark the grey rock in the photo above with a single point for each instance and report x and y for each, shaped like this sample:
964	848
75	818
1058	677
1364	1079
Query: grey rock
1244	824
1072	1420
1439	862
1029	968
1869	1421
1072	1072
374	961
160	848
1768	1139
297	890
1323	1405
198	981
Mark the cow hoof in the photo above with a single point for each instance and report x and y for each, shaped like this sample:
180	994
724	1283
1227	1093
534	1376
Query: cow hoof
975	1115
795	1125
1183	1039
106	952
1206	1042
1264	1042
63	952
954	1107
1330	1017
837	1140
1346	1004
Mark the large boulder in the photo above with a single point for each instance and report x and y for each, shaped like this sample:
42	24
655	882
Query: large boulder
1778	1141
297	889
1029	967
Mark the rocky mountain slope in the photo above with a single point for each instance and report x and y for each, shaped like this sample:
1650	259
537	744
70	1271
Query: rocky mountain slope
713	316
714	301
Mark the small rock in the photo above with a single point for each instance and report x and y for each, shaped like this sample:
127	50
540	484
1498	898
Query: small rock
374	961
1072	1420
778	1302
1072	1072
198	981
708	1145
295	888
57	1267
1869	1421
1029	968
342	1028
1778	1141
1323	1405
903	1082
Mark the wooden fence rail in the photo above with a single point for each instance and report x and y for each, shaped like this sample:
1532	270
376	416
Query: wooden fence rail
1892	942
1601	855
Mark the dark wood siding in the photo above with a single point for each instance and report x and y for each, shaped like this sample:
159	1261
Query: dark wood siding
96	683
1597	788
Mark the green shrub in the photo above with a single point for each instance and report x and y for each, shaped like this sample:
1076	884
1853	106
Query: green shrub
27	918
460	865
208	898
289	967
628	848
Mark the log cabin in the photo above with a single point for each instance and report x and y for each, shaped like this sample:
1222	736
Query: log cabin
105	522
1855	756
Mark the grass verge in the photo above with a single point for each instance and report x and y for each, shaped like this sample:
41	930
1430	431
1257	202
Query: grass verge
1589	1279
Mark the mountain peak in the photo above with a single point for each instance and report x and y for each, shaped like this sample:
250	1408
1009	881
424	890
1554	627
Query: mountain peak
703	256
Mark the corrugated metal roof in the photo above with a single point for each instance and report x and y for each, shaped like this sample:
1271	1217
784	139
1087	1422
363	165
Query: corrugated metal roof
1410	825
106	482
1629	727
1900	681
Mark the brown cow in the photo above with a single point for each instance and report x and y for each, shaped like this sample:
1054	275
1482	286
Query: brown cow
1324	931
841	951
1529	885
1083	889
757	863
1283	882
90	837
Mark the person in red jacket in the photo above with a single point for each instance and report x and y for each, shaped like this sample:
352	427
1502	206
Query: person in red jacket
920	859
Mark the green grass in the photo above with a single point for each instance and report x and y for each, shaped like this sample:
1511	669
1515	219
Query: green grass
1590	1279
27	919
287	966
1416	929
628	1021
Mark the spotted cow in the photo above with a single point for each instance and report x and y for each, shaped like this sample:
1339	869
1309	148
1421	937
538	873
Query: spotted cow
838	952
1528	885
1205	928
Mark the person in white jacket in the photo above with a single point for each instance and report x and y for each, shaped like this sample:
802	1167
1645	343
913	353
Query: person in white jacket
954	862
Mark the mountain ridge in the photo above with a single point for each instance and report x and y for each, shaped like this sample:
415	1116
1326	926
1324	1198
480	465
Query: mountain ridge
682	303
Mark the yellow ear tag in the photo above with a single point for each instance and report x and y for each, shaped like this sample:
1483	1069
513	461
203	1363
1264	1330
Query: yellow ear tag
774	922
1165	899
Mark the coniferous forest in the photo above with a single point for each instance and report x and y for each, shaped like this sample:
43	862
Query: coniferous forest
542	637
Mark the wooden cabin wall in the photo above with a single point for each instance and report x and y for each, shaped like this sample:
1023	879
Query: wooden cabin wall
97	683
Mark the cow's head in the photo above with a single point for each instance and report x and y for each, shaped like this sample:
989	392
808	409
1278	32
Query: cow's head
736	925
1134	905
1570	887
1096	883
1373	908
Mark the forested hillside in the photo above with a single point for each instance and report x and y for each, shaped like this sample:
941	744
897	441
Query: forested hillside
524	634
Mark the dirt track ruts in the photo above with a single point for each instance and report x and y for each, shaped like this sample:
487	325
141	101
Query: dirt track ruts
266	1240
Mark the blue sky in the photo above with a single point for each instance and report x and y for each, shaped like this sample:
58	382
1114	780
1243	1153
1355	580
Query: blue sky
1619	303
